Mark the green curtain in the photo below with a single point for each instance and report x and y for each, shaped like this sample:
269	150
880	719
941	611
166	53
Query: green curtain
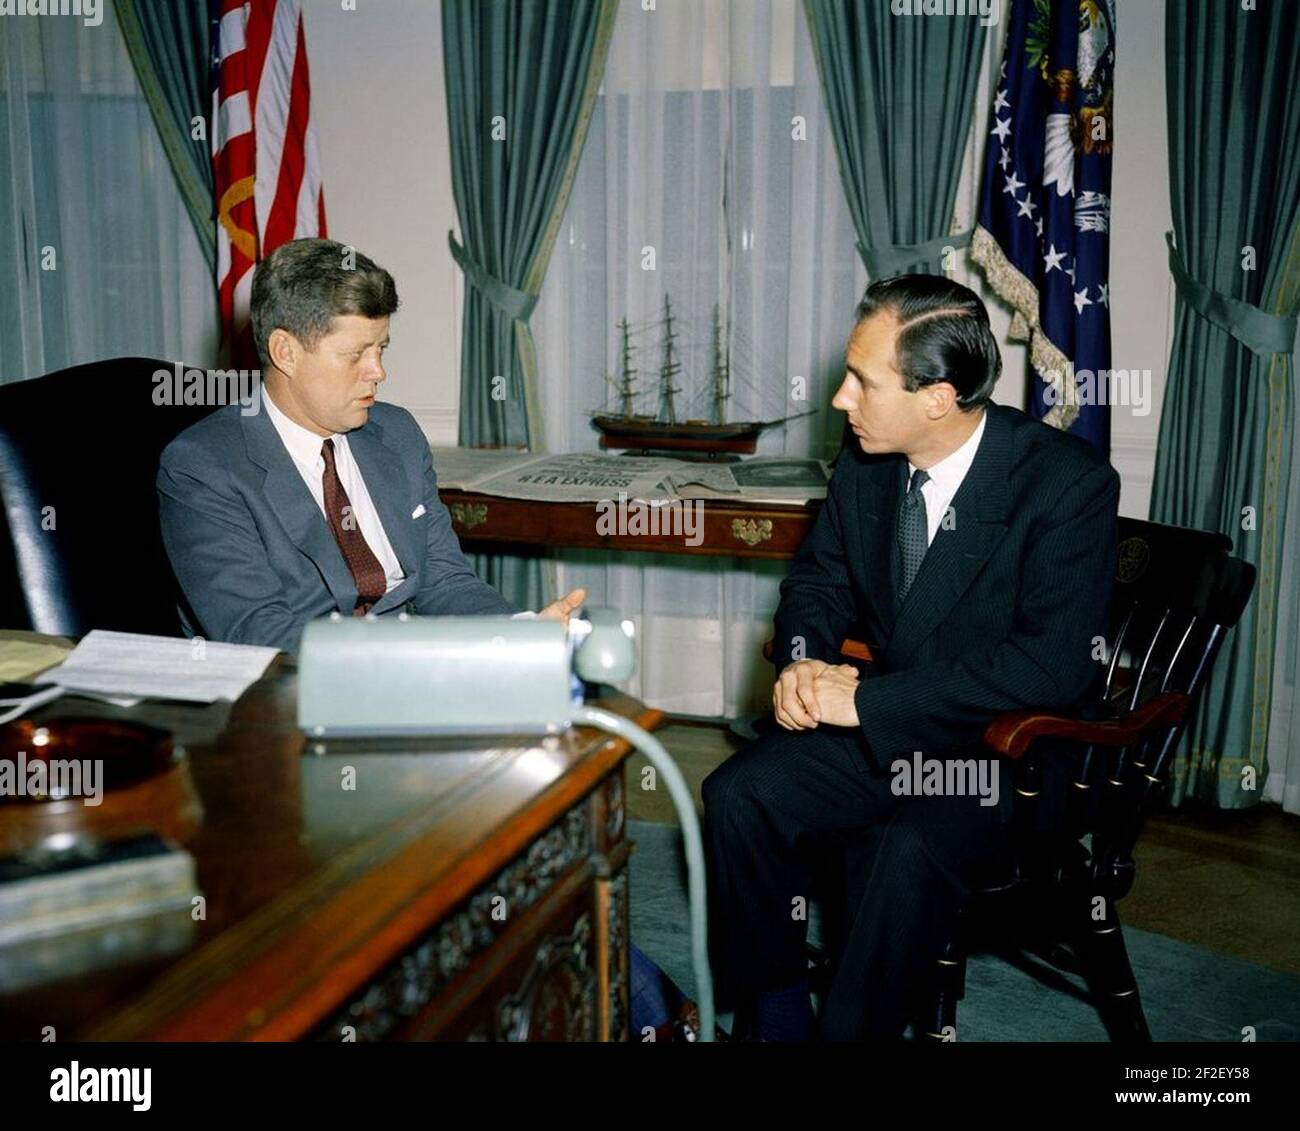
522	78
169	45
900	91
1227	425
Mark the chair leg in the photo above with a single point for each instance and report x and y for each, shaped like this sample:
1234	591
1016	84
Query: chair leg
821	970
940	1022
1110	976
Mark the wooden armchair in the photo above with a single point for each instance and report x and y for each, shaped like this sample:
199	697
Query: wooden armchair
1177	594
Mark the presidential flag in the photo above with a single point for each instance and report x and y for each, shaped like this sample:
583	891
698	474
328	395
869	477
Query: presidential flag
268	176
1043	236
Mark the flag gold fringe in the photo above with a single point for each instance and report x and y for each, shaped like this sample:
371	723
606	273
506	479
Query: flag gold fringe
1045	356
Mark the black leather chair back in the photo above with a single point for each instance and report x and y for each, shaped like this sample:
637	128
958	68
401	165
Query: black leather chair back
80	546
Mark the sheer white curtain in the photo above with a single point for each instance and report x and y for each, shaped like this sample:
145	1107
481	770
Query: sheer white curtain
98	257
709	175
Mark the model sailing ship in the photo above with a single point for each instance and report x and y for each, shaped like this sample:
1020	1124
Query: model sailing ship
664	432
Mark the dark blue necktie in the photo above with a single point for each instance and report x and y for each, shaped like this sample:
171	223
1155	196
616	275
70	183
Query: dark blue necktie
912	540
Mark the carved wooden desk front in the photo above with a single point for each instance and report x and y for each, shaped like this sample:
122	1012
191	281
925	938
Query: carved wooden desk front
488	522
455	893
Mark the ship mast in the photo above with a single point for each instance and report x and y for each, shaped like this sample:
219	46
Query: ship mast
721	371
626	388
670	368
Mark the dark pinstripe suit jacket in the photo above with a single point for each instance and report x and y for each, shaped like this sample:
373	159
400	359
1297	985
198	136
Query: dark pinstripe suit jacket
1004	610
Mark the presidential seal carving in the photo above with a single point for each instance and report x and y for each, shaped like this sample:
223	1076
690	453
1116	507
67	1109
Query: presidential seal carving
1134	557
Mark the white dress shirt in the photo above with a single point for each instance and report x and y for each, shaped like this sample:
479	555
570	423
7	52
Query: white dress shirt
945	478
304	448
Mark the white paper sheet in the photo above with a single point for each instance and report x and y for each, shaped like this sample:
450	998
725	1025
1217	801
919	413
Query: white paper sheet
160	667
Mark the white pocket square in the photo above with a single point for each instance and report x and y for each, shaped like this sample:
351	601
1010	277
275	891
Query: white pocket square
418	511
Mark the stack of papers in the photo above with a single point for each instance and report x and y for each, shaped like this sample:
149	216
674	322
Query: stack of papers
125	664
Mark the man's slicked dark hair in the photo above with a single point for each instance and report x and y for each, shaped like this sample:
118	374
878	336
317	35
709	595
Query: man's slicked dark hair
304	284
943	335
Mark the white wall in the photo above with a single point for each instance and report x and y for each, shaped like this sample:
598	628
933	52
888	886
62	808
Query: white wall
380	106
1142	293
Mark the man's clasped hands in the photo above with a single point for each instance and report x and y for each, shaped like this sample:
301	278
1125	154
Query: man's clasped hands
810	693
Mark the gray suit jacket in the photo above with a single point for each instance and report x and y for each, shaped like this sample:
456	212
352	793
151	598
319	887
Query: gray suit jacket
255	557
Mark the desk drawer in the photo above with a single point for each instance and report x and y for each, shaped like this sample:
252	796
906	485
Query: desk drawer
484	523
553	966
549	992
753	533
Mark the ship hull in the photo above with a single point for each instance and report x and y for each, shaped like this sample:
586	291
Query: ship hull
690	436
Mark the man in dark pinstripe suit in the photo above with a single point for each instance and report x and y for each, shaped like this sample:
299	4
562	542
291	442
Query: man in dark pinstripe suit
973	548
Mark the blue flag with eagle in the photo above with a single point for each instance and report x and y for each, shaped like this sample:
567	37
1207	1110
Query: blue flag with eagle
1043	236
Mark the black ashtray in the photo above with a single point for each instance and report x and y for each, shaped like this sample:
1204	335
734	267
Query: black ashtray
47	756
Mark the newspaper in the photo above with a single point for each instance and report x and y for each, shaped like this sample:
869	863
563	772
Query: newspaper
464	469
160	667
778	479
584	477
587	477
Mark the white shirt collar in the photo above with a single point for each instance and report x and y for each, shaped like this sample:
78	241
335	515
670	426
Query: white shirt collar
947	474
304	446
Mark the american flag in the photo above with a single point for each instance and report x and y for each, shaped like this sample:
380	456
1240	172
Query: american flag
1043	236
268	175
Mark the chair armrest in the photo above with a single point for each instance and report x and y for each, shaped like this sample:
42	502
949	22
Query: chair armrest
850	649
856	650
1011	734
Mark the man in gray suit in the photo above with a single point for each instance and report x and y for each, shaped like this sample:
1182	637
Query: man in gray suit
326	500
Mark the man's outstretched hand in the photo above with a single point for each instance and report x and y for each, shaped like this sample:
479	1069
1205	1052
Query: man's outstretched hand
811	692
564	607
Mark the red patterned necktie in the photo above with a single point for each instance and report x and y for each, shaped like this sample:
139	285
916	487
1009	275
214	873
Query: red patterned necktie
368	574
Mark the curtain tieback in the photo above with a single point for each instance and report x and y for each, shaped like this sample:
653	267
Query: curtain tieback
1258	330
513	303
887	259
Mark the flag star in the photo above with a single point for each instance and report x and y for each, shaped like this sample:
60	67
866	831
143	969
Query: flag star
1002	129
1012	185
1001	103
1053	258
1103	294
1005	159
1027	207
1070	271
1081	300
1002	71
1038	227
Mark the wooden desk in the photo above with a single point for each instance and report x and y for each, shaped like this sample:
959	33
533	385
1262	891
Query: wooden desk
456	893
489	523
